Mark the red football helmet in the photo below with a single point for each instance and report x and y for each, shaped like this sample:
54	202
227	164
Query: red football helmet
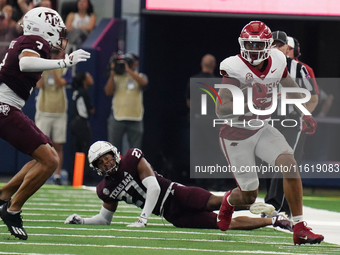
255	41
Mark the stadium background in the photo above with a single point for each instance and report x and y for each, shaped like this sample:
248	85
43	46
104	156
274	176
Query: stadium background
170	46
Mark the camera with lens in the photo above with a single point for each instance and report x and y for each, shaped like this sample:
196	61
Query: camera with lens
119	62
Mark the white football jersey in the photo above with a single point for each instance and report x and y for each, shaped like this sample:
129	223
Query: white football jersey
238	68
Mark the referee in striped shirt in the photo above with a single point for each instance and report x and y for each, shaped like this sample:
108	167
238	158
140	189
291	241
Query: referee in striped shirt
295	136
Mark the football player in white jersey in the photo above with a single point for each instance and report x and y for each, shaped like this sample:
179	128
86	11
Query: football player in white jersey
262	68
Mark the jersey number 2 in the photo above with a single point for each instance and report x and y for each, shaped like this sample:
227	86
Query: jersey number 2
137	153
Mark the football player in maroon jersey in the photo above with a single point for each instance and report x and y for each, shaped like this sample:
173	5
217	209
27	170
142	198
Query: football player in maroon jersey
132	179
20	69
264	69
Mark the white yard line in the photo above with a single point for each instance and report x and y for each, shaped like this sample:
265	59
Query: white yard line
76	209
168	232
154	248
63	204
21	253
161	238
82	215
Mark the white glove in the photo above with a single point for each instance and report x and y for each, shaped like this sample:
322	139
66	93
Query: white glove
140	223
74	58
74	219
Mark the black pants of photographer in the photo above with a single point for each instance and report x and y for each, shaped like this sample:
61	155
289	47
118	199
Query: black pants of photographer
81	132
274	186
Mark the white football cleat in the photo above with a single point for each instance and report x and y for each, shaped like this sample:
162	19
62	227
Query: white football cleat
74	219
140	223
262	208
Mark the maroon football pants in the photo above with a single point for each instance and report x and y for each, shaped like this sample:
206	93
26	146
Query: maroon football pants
186	207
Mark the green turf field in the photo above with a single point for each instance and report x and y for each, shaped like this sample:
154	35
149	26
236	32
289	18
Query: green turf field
45	212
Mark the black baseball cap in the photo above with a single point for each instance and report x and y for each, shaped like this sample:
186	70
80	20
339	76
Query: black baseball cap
280	36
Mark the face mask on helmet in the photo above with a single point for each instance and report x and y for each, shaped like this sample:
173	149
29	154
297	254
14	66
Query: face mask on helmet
255	42
104	158
46	23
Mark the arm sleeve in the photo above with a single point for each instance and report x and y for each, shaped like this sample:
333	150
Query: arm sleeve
35	64
152	193
103	218
306	80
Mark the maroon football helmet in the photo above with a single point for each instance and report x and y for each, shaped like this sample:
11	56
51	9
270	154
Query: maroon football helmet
255	41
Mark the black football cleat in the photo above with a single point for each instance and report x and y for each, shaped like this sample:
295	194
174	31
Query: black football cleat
13	222
3	202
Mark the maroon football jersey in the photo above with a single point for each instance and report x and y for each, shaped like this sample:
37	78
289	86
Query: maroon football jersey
125	184
22	82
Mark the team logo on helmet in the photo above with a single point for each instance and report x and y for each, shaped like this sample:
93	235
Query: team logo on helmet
52	18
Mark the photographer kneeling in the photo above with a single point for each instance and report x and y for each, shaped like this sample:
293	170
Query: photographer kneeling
126	85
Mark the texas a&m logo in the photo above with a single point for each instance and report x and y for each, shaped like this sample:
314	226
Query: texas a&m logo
4	109
52	18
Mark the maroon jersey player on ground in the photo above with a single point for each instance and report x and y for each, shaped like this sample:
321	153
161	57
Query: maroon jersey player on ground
20	69
262	68
132	179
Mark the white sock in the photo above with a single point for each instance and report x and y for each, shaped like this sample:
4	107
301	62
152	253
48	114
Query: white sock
12	212
297	219
56	176
228	201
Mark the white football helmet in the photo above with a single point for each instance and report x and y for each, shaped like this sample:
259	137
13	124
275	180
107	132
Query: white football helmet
47	23
99	149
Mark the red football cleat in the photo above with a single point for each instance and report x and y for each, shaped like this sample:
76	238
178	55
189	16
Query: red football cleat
303	234
225	214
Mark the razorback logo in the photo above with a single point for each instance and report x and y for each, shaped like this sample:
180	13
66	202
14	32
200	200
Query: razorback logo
249	77
224	73
4	109
52	18
233	144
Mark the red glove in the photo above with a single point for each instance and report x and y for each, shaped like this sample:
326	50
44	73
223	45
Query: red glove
259	95
309	124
